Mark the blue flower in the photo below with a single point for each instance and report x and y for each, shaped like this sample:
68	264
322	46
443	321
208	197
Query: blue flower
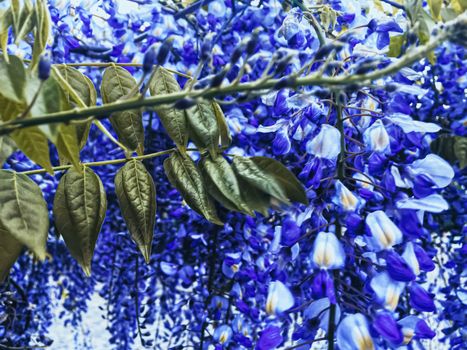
398	268
353	334
377	138
415	327
320	309
328	252
270	338
433	203
279	298
387	291
385	234
420	299
435	167
345	199
326	144
387	327
223	334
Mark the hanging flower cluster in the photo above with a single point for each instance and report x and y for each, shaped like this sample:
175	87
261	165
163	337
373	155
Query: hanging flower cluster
374	260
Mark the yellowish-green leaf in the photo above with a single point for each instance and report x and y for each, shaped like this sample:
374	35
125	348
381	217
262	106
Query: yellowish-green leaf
79	210
10	250
67	145
42	31
27	20
186	178
117	83
203	127
7	147
6	20
49	100
224	132
435	8
174	120
79	91
136	195
24	213
395	45
222	183
33	143
13	79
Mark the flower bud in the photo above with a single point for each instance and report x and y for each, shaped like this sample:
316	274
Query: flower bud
251	44
236	54
164	51
44	67
149	60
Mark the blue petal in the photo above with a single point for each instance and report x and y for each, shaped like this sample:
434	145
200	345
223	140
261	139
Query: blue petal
279	298
270	338
384	232
434	203
435	167
420	299
387	290
328	252
326	144
398	268
388	328
353	333
407	124
320	309
376	137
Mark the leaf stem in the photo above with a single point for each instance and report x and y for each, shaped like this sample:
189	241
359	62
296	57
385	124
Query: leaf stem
104	162
107	133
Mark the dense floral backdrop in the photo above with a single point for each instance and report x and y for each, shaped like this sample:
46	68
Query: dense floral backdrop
375	260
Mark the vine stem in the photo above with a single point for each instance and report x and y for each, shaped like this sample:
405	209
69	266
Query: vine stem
341	177
104	111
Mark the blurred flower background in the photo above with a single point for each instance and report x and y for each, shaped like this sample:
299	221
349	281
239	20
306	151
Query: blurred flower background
378	255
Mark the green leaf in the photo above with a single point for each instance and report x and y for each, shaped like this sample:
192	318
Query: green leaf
79	210
42	31
174	120
203	127
33	143
444	147
10	250
222	184
13	79
290	184
271	177
460	150
6	21
67	145
10	109
224	132
256	199
24	213
186	178
136	195
117	83
395	45
435	8
26	21
79	91
7	147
